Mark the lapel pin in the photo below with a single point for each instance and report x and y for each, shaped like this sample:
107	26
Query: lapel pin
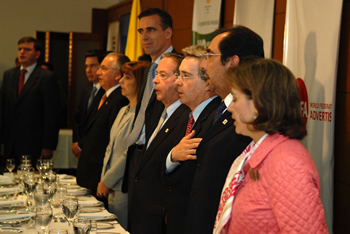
167	130
225	121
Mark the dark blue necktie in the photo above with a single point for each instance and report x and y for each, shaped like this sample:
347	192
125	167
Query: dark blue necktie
219	111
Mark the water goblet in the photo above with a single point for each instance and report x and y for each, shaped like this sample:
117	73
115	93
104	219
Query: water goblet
26	160
10	164
39	163
61	193
82	226
41	198
43	218
50	189
70	208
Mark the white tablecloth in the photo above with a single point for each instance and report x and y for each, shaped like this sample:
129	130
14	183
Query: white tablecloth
63	156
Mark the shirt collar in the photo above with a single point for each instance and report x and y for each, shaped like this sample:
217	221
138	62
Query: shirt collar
30	69
167	51
172	108
198	110
109	91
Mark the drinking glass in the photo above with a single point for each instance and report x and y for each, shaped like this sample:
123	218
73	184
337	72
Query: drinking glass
50	189
43	218
10	164
82	226
70	208
26	160
39	163
58	231
50	177
40	196
30	183
61	193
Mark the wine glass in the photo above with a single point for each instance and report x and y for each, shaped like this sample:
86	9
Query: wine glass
29	184
61	193
39	163
82	226
40	196
10	164
70	208
43	218
50	177
50	189
26	160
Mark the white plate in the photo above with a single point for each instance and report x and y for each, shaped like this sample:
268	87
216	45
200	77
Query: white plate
102	226
10	231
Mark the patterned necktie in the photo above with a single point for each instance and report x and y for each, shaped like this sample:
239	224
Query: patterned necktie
189	125
140	119
103	99
21	81
219	111
92	95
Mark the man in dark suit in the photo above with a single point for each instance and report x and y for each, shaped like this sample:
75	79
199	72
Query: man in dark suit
94	142
31	111
221	145
89	99
149	193
194	91
156	29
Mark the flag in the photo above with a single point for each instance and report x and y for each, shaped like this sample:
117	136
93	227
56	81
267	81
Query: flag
133	44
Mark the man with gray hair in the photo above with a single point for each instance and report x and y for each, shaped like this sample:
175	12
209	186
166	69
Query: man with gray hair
194	91
94	142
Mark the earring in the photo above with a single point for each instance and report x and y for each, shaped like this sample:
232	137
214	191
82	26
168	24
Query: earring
255	114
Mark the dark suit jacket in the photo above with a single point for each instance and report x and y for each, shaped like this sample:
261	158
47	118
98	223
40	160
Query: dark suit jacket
84	115
149	192
96	139
215	155
30	121
179	181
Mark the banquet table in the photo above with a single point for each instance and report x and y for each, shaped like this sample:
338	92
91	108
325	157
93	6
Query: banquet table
24	220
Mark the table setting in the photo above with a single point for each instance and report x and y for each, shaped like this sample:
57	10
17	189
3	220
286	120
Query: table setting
46	202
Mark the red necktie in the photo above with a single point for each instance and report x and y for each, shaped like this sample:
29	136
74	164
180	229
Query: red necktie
189	125
103	99
21	81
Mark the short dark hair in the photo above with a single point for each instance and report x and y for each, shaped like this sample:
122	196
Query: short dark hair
275	94
165	18
37	44
176	57
100	54
137	68
240	41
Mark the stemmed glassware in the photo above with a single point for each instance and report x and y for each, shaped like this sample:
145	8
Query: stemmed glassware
43	218
29	183
40	196
70	208
10	164
50	189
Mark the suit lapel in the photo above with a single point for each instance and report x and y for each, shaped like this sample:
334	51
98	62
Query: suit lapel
225	121
161	136
14	83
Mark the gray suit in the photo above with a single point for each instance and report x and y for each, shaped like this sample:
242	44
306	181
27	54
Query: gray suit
114	163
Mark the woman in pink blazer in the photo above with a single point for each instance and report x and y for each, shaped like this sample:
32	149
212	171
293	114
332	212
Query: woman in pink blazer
273	186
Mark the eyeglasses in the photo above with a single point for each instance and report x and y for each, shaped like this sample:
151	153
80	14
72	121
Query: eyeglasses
183	76
103	68
207	55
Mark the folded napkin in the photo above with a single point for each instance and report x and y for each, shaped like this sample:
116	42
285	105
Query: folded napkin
67	179
81	190
15	216
9	190
21	200
5	180
89	201
98	215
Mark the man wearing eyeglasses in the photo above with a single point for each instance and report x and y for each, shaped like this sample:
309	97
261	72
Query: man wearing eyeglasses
194	91
220	145
94	142
89	99
147	206
156	30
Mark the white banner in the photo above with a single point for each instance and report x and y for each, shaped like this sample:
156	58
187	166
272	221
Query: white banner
311	43
258	16
206	19
113	36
